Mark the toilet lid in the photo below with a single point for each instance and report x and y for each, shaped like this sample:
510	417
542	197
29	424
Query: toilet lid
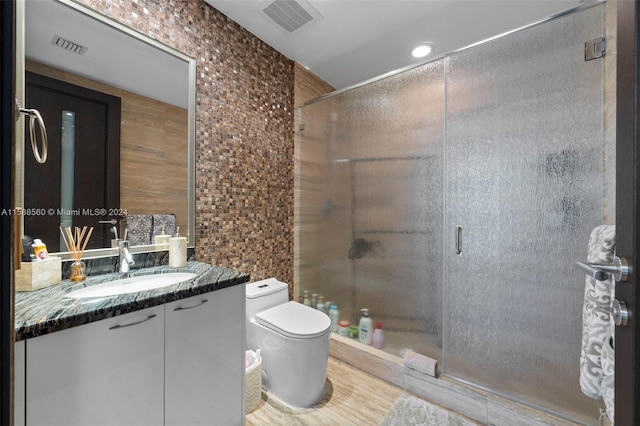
293	319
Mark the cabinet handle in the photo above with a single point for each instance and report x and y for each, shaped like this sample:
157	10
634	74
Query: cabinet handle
133	323
182	308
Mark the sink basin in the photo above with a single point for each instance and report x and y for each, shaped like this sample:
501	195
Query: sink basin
131	285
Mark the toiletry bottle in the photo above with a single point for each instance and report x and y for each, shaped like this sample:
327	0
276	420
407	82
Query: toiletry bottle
306	300
327	306
177	250
334	315
343	327
378	336
320	305
366	332
314	300
39	250
162	238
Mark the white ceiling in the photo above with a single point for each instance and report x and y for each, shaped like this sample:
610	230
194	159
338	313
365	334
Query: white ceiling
352	41
357	40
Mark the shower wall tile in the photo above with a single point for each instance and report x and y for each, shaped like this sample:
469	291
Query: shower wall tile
244	137
391	280
389	194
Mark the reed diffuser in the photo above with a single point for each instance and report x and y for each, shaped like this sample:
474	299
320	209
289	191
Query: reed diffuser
76	242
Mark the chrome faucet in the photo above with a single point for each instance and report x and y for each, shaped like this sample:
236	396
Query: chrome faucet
125	260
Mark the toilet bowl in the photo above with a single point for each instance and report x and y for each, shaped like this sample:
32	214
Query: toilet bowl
294	343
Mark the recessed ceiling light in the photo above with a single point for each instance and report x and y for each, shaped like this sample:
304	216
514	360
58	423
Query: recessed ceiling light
422	50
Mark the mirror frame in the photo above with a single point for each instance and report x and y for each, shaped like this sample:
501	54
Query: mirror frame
191	124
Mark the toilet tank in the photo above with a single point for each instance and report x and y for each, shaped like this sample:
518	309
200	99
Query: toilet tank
265	294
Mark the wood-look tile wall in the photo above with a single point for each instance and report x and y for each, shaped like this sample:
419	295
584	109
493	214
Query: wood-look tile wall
308	86
244	132
153	146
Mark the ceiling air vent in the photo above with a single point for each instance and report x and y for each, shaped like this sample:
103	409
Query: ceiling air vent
69	45
289	15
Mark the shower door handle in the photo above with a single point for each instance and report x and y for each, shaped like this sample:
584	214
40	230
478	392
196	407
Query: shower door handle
458	239
619	268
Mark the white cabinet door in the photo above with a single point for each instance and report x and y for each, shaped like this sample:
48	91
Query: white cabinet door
204	369
18	387
109	372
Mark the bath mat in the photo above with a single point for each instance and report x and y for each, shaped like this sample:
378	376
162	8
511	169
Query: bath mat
412	411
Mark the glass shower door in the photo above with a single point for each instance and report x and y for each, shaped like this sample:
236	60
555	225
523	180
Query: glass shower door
524	188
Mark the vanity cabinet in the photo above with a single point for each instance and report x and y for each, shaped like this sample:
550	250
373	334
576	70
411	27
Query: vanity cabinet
204	359
109	372
181	363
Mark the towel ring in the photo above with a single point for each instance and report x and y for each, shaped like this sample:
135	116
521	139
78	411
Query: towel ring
34	114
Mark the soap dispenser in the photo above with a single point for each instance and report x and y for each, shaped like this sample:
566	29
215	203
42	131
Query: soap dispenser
366	328
162	238
177	250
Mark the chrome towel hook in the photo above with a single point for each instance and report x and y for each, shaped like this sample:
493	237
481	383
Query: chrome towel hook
34	114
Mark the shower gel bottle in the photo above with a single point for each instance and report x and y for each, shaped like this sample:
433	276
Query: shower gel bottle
366	328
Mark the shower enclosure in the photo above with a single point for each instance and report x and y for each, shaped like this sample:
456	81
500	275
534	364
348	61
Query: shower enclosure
453	200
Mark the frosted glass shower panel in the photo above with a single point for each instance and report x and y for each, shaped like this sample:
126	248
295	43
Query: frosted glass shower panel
525	184
323	220
371	204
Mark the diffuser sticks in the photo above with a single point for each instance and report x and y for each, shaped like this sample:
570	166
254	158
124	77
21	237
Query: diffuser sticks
76	242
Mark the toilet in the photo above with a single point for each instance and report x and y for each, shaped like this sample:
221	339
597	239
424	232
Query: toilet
294	343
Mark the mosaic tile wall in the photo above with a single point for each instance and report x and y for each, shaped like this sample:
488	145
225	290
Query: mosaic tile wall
244	133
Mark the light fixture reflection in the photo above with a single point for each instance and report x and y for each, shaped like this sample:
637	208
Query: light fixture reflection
422	50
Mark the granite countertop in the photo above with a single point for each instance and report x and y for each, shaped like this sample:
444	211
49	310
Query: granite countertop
47	310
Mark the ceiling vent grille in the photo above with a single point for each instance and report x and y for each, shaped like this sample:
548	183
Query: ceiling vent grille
69	45
290	15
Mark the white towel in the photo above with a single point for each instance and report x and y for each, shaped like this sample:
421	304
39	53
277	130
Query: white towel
596	358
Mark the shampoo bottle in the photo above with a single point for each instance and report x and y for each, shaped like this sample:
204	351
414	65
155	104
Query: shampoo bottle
366	327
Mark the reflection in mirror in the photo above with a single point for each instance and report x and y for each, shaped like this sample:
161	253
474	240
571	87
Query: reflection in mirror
119	108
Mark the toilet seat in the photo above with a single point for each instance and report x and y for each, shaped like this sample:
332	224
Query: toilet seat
294	320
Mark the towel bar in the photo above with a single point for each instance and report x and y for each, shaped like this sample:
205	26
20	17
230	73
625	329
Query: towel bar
619	268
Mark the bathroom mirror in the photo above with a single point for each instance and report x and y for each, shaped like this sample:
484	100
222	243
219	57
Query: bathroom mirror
65	41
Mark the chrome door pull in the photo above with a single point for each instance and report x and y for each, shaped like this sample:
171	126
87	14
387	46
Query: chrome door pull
458	239
619	268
